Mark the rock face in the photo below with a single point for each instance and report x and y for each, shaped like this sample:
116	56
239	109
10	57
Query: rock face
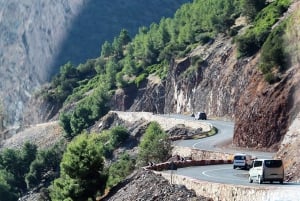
211	84
30	37
36	38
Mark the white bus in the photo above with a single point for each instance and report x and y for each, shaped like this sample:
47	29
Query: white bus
266	170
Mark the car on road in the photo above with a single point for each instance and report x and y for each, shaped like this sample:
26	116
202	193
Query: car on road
201	116
243	161
266	170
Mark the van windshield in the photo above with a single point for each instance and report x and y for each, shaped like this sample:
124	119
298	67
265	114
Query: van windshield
239	157
273	163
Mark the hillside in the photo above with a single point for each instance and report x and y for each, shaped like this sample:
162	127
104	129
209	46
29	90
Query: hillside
37	38
229	63
222	75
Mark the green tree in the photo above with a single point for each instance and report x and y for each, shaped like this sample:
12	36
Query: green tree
118	135
250	8
65	122
80	119
45	165
124	37
82	174
17	163
154	146
7	186
106	49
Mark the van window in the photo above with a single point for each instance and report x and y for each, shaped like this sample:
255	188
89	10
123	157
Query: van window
257	163
239	158
273	163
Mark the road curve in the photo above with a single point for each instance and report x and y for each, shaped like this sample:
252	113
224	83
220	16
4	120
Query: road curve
219	173
217	142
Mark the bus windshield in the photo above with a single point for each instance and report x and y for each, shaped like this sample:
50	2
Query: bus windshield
273	163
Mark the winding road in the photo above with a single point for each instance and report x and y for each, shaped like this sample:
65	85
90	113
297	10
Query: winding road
221	142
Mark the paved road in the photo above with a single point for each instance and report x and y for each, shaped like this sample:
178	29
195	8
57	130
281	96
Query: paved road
218	141
225	174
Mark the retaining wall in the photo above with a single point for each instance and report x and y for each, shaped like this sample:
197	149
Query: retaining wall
227	192
197	154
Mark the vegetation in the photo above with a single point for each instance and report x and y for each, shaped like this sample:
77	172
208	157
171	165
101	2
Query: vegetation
23	169
81	170
112	139
130	60
120	169
273	56
253	39
14	164
154	146
45	166
87	111
85	91
250	8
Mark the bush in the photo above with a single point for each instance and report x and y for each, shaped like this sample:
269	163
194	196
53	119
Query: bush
204	38
120	169
254	38
45	166
273	55
82	174
7	188
17	163
154	146
140	79
271	78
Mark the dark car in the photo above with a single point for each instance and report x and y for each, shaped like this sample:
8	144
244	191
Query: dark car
201	116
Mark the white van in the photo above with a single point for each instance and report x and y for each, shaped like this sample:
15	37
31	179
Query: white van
266	170
243	161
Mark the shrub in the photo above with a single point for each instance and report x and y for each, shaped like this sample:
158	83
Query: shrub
82	174
45	166
154	146
120	169
250	42
140	79
272	54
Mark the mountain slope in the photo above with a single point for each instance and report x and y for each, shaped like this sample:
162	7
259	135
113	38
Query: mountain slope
36	38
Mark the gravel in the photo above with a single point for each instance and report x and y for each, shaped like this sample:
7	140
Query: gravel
144	185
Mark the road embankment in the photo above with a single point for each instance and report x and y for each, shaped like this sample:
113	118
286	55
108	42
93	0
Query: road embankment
198	154
227	192
165	122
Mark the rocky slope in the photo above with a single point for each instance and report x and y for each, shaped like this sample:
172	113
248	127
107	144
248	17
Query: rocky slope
213	80
38	37
30	38
226	87
145	185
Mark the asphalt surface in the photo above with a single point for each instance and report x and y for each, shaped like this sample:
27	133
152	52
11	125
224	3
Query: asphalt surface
223	173
221	142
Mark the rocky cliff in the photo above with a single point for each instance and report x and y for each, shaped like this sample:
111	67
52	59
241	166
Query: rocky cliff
30	37
36	38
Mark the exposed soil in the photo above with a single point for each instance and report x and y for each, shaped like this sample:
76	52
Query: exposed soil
144	185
